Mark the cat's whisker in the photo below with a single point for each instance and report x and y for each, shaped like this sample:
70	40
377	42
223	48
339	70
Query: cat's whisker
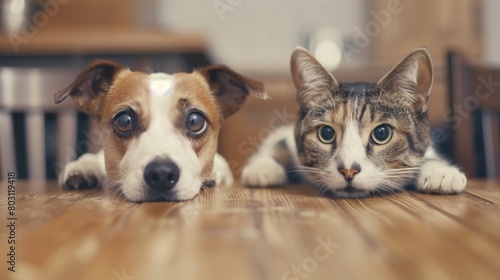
392	187
401	174
306	167
409	176
310	170
323	188
403	170
406	169
314	172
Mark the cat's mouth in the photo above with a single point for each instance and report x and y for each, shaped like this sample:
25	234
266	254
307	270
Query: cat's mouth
351	192
348	192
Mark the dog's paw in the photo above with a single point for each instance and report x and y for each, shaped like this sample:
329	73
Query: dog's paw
441	178
84	173
221	173
263	172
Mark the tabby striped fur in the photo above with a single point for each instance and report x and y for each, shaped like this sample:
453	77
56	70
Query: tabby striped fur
355	164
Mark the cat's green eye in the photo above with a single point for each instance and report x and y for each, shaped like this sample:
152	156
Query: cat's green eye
382	134
326	134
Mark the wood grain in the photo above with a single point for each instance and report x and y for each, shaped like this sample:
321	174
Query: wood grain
241	233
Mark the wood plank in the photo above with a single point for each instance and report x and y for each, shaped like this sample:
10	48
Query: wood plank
489	190
67	242
476	214
421	243
242	233
37	202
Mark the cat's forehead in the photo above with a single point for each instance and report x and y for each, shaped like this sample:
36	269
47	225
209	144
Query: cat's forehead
360	101
358	90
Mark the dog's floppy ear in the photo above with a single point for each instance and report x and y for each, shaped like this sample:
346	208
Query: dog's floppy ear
90	87
412	77
230	88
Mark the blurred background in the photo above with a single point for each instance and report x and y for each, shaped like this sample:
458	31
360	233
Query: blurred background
44	43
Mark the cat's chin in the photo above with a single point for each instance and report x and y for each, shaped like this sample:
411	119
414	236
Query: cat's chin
350	192
347	192
344	194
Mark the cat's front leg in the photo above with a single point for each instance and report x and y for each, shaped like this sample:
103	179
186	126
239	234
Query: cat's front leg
267	167
88	172
438	176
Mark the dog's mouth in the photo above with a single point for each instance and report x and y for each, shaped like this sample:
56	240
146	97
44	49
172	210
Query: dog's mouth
151	195
163	198
142	192
162	179
209	183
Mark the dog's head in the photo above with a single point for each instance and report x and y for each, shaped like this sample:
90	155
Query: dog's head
160	130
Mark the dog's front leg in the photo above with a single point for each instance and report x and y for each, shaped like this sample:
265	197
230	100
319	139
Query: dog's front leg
221	173
88	172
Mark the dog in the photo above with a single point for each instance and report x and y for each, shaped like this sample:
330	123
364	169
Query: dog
160	131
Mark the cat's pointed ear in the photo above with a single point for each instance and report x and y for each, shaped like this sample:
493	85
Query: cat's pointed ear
413	77
312	81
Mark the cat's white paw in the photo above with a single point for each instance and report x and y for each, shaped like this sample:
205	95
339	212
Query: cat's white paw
440	177
263	172
85	173
221	173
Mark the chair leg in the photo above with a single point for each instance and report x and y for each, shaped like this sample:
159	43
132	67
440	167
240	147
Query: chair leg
7	148
491	132
35	131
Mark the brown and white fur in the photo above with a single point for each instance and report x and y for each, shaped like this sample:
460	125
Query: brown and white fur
354	162
151	150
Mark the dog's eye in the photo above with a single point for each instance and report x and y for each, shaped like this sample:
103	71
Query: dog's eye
326	134
382	134
123	124
196	123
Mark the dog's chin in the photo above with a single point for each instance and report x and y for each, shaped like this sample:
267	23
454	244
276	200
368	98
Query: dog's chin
171	196
144	193
154	196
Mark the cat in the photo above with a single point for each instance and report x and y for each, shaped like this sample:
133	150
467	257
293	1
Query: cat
357	139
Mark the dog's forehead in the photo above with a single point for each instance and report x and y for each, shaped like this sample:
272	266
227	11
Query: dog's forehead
161	84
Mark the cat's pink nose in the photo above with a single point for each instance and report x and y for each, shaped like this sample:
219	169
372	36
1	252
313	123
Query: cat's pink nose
349	173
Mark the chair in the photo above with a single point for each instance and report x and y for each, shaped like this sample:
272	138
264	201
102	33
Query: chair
475	116
29	91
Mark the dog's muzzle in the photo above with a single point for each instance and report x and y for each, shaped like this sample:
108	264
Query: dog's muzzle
161	174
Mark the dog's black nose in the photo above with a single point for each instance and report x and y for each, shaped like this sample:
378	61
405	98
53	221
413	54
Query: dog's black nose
161	175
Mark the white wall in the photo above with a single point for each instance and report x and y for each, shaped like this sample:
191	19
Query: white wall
492	34
257	35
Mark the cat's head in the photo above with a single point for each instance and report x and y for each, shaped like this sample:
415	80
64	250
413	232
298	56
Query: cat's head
359	139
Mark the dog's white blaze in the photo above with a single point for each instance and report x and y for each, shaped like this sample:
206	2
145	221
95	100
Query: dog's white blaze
161	84
161	139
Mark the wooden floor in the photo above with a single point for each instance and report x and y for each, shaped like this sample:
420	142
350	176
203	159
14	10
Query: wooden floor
239	233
